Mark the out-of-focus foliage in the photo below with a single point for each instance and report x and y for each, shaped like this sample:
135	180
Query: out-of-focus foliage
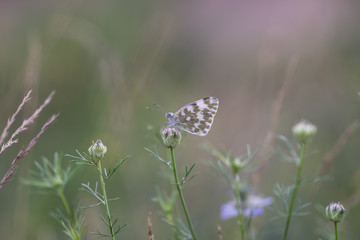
109	60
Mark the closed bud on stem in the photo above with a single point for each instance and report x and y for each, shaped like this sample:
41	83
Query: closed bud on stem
304	131
97	149
335	212
236	165
171	137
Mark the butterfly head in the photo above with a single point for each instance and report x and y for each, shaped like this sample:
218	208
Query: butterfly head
170	119
169	115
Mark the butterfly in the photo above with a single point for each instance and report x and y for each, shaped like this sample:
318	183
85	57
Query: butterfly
196	117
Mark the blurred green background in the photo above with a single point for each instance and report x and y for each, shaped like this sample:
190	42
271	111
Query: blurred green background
109	60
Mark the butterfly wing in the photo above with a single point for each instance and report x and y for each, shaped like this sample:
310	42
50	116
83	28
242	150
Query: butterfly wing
197	117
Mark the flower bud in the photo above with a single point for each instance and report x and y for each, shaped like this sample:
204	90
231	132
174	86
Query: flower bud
335	212
171	137
236	165
97	149
304	130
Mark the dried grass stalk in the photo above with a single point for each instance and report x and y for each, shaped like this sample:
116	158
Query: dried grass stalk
12	118
23	152
150	233
25	123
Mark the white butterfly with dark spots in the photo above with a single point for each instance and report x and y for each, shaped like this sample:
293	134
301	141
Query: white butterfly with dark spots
196	117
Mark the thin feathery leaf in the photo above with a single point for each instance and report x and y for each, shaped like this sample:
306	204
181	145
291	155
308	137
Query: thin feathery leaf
283	194
290	148
120	229
156	155
215	152
250	155
299	211
94	192
223	170
81	159
113	169
106	221
187	173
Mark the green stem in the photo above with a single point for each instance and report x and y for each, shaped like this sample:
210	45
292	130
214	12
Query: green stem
169	215
336	231
178	186
102	182
296	188
238	206
65	203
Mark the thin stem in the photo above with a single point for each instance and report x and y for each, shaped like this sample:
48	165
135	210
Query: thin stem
65	203
168	214
178	186
102	182
238	206
336	231
296	188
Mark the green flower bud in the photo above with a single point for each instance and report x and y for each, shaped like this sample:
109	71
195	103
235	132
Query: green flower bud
171	137
97	149
335	212
236	165
304	131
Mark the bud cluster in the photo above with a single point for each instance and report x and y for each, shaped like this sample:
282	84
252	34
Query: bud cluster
97	149
171	137
304	131
335	212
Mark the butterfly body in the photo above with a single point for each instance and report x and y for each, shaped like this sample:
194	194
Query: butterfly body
196	117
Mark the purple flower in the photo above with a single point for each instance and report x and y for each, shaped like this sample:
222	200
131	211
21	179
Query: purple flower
228	210
252	207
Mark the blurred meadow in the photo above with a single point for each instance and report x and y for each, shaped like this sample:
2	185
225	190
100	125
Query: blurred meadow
270	64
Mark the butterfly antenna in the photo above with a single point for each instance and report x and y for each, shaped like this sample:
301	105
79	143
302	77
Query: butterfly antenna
156	107
150	108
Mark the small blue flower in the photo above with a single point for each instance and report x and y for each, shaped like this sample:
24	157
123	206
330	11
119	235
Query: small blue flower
228	210
252	207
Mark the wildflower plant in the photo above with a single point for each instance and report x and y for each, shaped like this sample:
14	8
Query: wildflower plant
167	201
96	153
167	204
196	118
303	132
245	204
171	137
336	213
52	178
